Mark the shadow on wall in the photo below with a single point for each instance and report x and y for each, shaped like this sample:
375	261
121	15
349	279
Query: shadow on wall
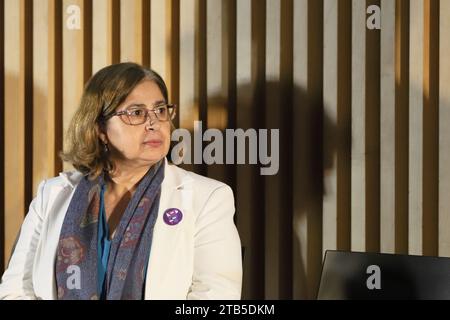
282	251
316	141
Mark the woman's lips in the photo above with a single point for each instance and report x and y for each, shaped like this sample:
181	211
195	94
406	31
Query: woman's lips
153	143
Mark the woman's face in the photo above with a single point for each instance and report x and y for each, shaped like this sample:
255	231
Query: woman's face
138	145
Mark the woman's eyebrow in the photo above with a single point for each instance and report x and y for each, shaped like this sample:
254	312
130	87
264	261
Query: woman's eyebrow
134	104
137	104
157	103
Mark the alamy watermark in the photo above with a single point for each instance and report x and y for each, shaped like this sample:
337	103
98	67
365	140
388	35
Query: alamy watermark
374	280
233	141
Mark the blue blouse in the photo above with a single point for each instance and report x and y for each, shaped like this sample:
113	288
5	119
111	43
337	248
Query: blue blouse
103	247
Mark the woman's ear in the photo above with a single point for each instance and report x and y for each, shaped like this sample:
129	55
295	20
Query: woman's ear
100	133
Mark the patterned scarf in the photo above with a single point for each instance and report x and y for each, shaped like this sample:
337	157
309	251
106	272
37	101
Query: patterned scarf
76	263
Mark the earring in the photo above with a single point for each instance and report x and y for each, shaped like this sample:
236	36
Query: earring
105	147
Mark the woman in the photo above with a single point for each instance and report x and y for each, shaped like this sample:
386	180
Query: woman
126	224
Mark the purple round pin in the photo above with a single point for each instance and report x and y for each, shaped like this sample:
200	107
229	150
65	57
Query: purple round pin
172	216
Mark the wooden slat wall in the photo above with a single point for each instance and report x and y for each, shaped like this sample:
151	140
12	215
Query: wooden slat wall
364	139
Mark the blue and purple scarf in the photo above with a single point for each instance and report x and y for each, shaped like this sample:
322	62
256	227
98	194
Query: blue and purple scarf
76	261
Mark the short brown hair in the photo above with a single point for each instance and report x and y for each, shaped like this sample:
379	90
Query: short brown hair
102	95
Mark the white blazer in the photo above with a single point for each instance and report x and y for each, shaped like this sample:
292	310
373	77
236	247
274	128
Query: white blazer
199	258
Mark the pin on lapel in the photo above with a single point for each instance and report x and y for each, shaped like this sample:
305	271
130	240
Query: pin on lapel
172	216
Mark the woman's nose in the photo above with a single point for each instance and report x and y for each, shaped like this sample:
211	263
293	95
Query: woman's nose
152	122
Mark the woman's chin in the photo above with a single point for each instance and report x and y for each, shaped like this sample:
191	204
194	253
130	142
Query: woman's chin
154	158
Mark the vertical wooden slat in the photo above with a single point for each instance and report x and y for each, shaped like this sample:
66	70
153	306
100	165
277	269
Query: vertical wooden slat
113	31
54	102
431	128
100	39
26	84
72	69
188	110
372	136
130	44
192	67
201	84
359	179
229	76
77	62
315	118
18	129
158	42
401	125
416	127
40	89
229	54
188	100
143	33
330	102
387	130
272	121
2	136
215	85
251	282
300	190
285	206
87	40
444	129
256	183
342	133
173	30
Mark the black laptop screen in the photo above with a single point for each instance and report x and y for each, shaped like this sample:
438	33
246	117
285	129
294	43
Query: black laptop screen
358	275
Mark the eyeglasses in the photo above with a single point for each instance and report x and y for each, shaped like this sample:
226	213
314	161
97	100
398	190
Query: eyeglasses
136	115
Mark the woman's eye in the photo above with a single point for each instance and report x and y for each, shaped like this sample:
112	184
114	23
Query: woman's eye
136	112
160	110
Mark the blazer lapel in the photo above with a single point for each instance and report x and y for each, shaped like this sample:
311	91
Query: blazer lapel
59	197
175	193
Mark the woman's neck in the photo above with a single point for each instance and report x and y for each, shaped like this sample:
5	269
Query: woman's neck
124	179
